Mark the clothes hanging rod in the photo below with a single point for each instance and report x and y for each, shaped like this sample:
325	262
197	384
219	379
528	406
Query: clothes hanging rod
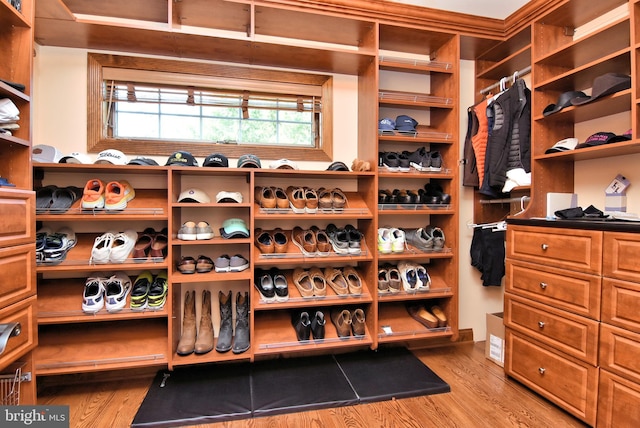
505	200
509	79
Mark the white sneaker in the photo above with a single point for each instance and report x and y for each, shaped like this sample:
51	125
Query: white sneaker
93	294
102	248
424	280
409	276
117	289
122	246
384	241
398	238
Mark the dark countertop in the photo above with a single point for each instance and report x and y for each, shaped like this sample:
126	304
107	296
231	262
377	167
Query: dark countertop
604	224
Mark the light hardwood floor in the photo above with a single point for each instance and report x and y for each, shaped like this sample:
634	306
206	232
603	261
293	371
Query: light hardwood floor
481	396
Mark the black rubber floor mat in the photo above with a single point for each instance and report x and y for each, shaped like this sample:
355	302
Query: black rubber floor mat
389	373
197	395
210	393
299	384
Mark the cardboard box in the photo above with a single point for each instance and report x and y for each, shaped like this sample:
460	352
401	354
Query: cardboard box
494	346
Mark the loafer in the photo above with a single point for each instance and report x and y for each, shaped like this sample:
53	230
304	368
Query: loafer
187	265
280	241
311	200
297	201
282	200
265	242
325	199
336	280
303	283
440	315
318	282
305	240
264	197
204	264
383	280
353	280
323	243
159	245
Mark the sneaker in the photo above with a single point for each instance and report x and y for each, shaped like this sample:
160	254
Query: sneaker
409	276
419	239
122	246
437	236
397	240
93	294
355	240
384	240
436	161
57	245
264	285
140	291
158	291
238	263
93	195
424	280
395	280
203	230
222	263
117	194
281	286
101	248
390	161
117	289
188	231
404	165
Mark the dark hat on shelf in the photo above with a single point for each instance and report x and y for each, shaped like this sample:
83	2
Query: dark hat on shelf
607	84
564	100
249	161
182	158
600	138
216	160
143	161
406	123
338	166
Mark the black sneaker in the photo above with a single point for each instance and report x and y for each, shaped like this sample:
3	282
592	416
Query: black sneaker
157	296
140	291
264	285
391	161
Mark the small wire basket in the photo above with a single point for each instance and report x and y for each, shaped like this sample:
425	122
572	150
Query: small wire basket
10	387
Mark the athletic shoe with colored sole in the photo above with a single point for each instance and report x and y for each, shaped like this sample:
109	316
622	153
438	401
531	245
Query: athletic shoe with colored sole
117	194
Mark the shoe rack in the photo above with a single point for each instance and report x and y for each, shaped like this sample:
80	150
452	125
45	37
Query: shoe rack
71	341
418	76
17	249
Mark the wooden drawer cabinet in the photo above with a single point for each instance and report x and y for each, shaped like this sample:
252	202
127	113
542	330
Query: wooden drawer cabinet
573	249
621	304
621	253
17	265
620	352
566	381
573	291
17	208
618	400
16	346
569	333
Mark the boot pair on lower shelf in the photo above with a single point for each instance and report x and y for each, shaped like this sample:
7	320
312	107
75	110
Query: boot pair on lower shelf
201	340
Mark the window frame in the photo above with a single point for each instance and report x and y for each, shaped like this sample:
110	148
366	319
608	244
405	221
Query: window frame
97	141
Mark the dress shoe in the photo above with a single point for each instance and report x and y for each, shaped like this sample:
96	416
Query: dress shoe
280	241
265	242
204	264
301	324
265	197
187	265
225	334
204	342
187	342
317	325
342	321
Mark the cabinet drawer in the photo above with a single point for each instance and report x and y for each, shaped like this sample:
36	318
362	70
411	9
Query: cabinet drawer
24	313
618	401
574	249
573	291
17	210
570	383
621	253
620	351
569	333
620	303
17	273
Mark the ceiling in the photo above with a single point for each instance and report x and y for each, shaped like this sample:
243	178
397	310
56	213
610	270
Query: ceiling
499	9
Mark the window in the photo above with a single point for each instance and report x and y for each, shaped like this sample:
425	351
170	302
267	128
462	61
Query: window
147	106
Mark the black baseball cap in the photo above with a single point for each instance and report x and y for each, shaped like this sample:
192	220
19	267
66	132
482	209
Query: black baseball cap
143	161
182	158
216	160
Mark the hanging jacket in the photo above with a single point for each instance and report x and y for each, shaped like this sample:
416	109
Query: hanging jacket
479	140
470	170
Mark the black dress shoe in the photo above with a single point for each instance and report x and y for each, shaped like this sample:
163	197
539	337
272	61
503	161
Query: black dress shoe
317	325
301	324
434	190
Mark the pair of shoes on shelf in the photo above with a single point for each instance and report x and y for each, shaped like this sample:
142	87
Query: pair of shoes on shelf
389	280
394	161
150	244
391	240
330	200
149	291
311	242
349	321
113	247
302	199
360	165
269	197
272	285
310	282
307	326
345	240
200	340
344	281
235	263
56	200
428	238
414	277
273	241
192	231
433	318
424	161
52	248
113	196
108	292
434	195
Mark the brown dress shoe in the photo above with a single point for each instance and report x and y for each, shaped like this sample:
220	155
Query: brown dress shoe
342	321
265	242
187	342
305	240
280	241
297	201
204	342
358	322
265	197
282	200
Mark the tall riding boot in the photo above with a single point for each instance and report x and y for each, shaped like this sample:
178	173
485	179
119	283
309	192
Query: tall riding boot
241	342
188	337
225	335
204	343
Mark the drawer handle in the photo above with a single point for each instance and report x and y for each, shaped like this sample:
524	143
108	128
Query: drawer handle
544	247
541	324
543	285
541	370
8	331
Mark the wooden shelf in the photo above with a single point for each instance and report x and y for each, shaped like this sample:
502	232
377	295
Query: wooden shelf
178	277
395	317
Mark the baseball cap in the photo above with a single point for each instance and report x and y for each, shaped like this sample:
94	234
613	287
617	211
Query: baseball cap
386	124
563	145
112	156
143	161
564	100
603	85
600	138
338	166
216	160
249	161
75	157
406	123
234	228
43	153
194	195
283	164
182	158
224	196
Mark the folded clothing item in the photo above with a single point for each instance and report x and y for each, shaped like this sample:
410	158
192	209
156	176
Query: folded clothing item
577	212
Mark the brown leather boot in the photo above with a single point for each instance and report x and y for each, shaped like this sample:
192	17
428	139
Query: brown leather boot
188	338
204	343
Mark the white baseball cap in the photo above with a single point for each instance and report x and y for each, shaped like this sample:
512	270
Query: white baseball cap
194	195
112	156
75	157
43	153
225	196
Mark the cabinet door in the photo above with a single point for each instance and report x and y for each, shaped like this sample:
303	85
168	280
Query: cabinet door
619	350
620	253
17	208
620	303
24	339
618	402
